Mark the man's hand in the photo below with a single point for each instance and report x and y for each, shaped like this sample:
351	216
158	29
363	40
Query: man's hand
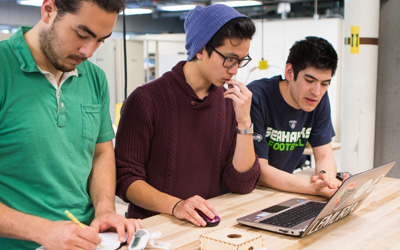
329	179
187	210
321	187
65	235
241	102
325	184
114	222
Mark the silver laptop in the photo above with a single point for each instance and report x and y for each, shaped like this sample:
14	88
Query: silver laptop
300	217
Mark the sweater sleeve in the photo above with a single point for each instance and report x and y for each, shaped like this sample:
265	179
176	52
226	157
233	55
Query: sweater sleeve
237	182
132	141
242	183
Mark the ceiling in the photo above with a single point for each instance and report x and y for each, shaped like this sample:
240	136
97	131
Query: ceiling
269	9
299	8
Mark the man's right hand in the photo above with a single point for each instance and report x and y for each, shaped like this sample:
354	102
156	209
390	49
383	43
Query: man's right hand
322	187
67	235
186	209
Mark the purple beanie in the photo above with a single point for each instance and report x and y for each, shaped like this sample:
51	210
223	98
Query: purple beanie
203	22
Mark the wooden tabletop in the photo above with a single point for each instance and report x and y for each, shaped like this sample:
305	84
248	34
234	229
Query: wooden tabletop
375	225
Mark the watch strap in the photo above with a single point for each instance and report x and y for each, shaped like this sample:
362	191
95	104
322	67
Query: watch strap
248	131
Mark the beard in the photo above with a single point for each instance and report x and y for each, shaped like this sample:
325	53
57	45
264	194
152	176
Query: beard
52	48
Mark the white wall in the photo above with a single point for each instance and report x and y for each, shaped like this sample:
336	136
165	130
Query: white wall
168	49
109	57
169	54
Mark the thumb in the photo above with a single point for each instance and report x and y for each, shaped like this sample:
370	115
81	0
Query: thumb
95	226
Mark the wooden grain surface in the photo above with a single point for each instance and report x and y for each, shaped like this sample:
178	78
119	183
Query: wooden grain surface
375	225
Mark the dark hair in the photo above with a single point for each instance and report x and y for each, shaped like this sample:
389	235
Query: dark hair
72	6
313	52
240	27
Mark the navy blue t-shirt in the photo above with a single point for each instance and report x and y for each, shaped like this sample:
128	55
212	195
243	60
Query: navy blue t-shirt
281	132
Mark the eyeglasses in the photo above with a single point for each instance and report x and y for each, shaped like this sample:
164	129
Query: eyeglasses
229	62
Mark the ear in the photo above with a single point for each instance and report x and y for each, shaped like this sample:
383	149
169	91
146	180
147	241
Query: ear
201	54
289	74
48	10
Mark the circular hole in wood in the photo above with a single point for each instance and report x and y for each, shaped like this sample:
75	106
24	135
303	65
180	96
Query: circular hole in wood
234	236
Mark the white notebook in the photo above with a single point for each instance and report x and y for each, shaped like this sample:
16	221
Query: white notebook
109	241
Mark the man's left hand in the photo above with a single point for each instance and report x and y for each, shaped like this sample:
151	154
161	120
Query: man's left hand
114	222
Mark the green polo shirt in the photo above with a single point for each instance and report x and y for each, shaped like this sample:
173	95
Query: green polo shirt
48	136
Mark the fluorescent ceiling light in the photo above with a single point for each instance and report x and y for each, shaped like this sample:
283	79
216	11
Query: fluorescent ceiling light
182	7
37	3
136	11
283	8
240	3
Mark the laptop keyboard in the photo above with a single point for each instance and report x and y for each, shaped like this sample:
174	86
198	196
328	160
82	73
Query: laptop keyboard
296	215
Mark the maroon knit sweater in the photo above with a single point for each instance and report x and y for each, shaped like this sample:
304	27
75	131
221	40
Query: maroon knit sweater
177	143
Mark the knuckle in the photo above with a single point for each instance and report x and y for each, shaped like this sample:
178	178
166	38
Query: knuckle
72	228
192	213
67	240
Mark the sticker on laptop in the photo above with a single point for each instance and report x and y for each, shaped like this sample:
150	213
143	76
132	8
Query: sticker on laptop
375	183
345	195
361	190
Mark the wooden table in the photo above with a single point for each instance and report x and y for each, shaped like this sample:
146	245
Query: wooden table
375	225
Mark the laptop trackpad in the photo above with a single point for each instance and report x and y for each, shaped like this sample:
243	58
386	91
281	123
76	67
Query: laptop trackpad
275	209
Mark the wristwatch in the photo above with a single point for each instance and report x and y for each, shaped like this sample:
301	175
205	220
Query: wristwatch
248	131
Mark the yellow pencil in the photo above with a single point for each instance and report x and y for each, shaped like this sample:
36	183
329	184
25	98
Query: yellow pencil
75	220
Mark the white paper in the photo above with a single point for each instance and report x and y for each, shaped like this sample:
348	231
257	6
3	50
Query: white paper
109	241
